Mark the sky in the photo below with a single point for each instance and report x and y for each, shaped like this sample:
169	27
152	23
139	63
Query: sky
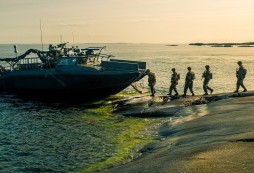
126	21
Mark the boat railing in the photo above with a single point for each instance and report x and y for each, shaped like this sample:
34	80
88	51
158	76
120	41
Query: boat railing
29	64
119	65
141	64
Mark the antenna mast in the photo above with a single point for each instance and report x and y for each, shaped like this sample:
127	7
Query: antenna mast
41	36
73	39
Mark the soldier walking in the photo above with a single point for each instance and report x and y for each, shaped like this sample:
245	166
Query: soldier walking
151	81
207	75
240	75
174	81
190	76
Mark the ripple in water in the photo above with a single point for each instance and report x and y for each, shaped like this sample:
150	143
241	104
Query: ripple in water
49	138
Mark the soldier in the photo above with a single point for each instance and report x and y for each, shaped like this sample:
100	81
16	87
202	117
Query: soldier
240	75
190	76
207	75
151	81
174	81
51	47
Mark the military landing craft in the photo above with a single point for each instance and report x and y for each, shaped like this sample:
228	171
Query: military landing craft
69	72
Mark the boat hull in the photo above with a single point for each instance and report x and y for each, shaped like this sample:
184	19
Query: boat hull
52	83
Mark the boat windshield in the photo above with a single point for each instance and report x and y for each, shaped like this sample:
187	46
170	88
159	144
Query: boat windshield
67	61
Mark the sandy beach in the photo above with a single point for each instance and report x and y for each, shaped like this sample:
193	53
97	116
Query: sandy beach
218	138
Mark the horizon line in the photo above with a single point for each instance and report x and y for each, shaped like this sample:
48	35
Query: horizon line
125	43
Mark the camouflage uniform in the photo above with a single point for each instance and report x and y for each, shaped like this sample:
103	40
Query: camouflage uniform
151	81
207	75
174	82
190	76
240	74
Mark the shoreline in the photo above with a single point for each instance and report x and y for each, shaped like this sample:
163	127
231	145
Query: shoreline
197	144
134	134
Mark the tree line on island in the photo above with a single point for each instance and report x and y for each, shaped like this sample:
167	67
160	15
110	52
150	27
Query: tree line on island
245	44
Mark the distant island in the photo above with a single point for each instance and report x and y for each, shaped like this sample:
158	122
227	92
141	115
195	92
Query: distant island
171	45
245	44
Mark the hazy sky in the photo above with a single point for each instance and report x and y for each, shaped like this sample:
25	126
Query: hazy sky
131	21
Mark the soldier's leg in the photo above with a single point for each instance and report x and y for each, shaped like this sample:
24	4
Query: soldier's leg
170	89
210	89
205	87
185	89
238	83
152	90
175	90
244	88
191	89
242	85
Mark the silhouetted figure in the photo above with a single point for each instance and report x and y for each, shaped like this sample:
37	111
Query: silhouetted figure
51	47
190	76
151	81
240	75
207	75
174	81
89	52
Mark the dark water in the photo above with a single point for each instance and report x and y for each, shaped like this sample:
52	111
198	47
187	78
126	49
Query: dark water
36	137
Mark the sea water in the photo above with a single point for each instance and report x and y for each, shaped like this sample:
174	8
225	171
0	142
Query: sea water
53	137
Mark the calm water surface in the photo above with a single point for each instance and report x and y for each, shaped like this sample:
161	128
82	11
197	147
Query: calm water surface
46	137
36	137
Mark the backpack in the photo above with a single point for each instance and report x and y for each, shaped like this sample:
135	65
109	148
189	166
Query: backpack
178	76
244	72
210	75
193	76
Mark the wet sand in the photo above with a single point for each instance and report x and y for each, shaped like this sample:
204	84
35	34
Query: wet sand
219	139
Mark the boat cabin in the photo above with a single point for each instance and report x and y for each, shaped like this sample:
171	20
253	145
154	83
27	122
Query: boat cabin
77	60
